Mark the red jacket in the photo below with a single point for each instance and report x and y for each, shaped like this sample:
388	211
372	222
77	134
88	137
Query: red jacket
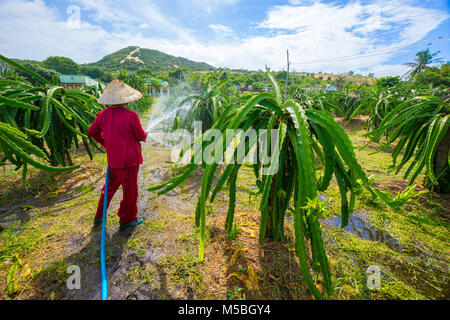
120	131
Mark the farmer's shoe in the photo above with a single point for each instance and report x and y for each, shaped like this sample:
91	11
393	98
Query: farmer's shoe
131	224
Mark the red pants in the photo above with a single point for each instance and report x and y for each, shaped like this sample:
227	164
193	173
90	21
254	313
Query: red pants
127	178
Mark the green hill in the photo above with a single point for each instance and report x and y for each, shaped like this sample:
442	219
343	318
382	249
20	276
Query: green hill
133	58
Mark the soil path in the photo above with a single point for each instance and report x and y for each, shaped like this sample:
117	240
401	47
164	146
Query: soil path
131	57
122	257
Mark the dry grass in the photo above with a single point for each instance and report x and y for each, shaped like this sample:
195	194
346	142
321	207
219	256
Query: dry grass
242	266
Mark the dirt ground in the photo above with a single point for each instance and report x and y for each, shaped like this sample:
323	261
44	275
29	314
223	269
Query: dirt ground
46	226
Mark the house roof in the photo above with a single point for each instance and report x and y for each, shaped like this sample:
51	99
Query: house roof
77	78
331	88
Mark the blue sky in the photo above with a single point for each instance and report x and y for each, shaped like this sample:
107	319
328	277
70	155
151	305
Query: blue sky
330	36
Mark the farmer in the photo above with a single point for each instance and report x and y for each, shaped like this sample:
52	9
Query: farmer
120	131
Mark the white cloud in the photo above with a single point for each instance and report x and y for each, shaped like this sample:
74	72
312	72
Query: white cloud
220	29
35	31
383	70
313	33
302	2
325	30
212	5
123	17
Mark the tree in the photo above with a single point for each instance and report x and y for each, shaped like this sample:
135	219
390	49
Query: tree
131	79
155	83
388	82
92	71
281	76
144	72
195	81
45	73
176	75
339	81
224	76
421	61
248	81
96	72
257	86
107	76
436	77
62	65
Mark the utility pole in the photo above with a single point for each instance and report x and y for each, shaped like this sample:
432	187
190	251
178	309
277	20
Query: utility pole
287	75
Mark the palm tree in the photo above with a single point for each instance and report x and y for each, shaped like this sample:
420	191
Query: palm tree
339	81
422	60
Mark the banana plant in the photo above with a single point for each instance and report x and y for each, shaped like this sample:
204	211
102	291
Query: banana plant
420	125
40	124
306	139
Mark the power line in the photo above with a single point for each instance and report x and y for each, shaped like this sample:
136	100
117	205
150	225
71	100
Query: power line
359	56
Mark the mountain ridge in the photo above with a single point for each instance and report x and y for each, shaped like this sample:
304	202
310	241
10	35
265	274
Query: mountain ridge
133	58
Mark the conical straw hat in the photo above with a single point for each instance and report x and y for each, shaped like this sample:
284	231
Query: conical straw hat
118	92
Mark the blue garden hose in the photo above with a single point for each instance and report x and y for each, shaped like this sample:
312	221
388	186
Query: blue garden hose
102	241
